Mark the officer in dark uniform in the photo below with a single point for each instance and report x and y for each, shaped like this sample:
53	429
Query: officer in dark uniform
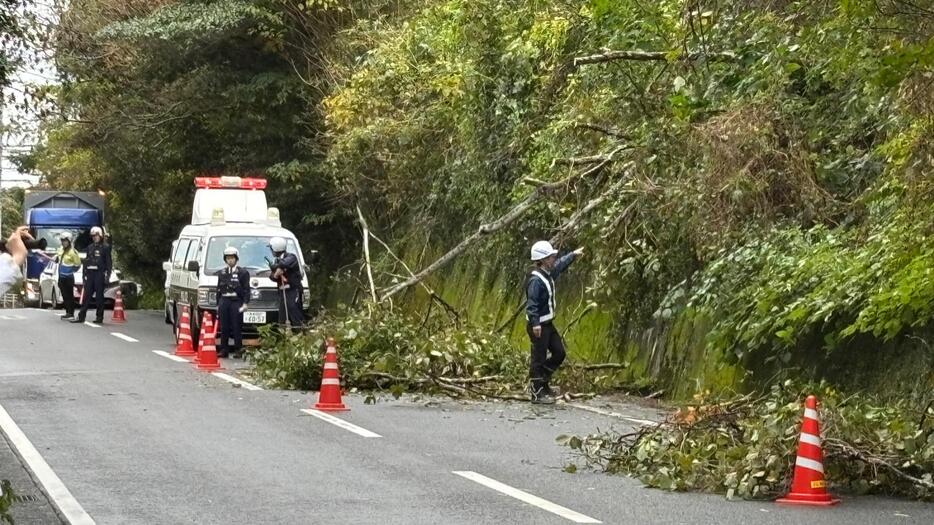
233	295
97	267
287	271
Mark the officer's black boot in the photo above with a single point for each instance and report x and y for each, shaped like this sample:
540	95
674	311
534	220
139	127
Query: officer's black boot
540	395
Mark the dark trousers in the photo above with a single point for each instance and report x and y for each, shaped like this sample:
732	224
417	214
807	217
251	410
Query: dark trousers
66	283
291	303
542	365
93	285
228	311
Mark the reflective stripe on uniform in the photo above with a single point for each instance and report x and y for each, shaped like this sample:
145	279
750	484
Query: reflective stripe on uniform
552	306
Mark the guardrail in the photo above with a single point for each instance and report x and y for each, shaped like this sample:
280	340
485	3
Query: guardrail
11	300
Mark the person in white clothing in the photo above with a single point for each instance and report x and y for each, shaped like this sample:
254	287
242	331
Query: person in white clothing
13	259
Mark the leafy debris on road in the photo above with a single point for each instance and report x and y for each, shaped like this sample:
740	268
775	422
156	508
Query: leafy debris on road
745	446
386	350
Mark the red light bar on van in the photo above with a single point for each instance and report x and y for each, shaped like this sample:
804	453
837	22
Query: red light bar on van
243	183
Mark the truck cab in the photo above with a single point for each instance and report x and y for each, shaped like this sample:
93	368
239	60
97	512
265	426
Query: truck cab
48	214
227	212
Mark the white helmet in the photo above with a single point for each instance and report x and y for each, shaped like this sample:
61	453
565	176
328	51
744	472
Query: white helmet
231	251
277	244
542	249
97	231
65	236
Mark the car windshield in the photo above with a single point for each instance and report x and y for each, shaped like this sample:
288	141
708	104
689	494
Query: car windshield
81	237
253	253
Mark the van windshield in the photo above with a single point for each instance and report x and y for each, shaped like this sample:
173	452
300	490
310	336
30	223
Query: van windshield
81	236
253	253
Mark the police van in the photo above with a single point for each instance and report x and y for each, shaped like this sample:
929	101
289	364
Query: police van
227	212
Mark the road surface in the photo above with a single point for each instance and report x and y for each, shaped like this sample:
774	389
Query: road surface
117	433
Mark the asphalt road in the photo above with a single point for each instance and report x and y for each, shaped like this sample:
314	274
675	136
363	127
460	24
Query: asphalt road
137	438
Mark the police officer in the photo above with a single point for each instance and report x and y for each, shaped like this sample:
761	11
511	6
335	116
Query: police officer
540	311
286	271
68	263
97	268
233	294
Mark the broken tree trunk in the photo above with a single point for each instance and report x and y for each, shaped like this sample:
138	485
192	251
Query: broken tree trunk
366	253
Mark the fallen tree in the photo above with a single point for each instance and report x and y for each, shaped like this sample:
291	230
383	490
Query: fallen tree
746	446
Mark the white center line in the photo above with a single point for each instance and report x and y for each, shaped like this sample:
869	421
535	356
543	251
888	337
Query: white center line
92	325
72	510
126	338
526	497
336	421
163	353
644	422
234	380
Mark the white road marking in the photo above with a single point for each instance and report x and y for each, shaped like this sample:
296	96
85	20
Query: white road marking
92	325
163	353
234	380
600	411
126	338
336	421
520	495
73	512
13	317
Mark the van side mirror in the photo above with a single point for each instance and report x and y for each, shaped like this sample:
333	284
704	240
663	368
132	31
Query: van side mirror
193	266
167	266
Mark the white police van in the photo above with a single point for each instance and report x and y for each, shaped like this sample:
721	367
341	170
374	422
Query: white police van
227	212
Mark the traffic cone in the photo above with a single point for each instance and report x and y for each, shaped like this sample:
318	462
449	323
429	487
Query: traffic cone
183	346
808	486
197	358
118	316
329	397
207	360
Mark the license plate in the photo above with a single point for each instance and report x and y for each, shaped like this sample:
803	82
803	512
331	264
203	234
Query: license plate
254	317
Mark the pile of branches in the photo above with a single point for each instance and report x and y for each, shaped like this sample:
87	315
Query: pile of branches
745	447
385	350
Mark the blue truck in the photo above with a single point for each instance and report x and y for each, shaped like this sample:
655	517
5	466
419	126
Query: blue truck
48	214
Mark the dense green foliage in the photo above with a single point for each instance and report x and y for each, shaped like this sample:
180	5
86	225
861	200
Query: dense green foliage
7	497
760	163
11	33
155	93
746	447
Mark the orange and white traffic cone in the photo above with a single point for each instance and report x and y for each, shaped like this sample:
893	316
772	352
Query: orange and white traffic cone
118	316
183	346
808	486
329	397
207	357
197	358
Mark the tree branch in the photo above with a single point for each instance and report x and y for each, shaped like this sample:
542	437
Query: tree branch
576	217
508	218
852	452
602	129
366	253
434	296
607	55
600	366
